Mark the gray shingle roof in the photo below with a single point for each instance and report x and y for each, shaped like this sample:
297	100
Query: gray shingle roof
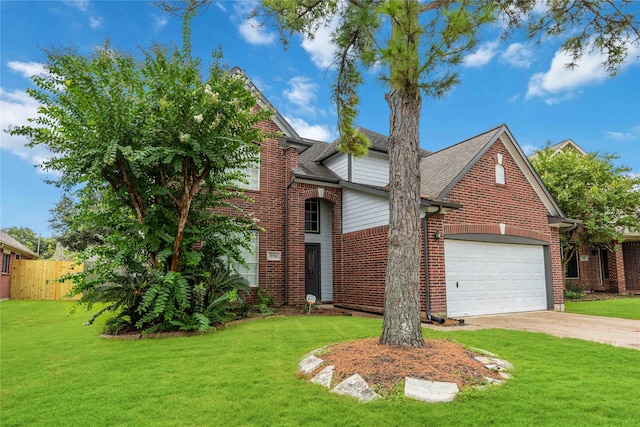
439	171
10	241
308	166
379	142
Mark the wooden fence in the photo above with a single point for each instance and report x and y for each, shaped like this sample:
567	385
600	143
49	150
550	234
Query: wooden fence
36	279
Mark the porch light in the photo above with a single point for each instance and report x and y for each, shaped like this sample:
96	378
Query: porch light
437	235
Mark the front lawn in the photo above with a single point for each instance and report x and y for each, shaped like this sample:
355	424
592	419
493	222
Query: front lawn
57	372
624	308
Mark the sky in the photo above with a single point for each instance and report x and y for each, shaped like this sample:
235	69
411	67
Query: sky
516	82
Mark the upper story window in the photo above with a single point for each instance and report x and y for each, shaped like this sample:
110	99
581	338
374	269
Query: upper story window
500	179
312	216
252	175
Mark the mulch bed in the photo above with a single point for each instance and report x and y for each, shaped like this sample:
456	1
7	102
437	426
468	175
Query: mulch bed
600	296
383	366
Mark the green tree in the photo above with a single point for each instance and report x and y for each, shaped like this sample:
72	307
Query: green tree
152	152
72	234
43	246
419	44
591	188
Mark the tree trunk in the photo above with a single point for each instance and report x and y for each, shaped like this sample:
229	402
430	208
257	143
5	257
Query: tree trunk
401	326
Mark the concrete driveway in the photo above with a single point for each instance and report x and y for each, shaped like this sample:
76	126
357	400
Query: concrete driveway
607	330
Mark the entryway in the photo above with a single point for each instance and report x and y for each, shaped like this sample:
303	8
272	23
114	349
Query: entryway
312	270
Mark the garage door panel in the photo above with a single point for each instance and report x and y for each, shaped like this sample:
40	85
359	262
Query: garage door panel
493	278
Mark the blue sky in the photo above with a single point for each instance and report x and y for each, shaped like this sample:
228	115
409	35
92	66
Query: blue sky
513	82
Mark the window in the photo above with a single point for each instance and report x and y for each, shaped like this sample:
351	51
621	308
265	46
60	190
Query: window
500	174
6	259
250	272
499	170
252	175
571	270
17	256
312	216
604	263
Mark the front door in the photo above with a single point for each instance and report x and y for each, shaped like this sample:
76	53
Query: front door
312	269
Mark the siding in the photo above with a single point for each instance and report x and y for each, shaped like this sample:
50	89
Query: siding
339	164
326	250
371	170
361	211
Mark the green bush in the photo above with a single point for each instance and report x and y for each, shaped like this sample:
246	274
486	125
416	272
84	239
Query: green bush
265	302
573	290
569	294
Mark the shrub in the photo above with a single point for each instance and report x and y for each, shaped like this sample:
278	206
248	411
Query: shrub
265	302
573	290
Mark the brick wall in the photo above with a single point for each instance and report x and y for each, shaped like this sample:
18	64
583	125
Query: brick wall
5	279
365	260
515	204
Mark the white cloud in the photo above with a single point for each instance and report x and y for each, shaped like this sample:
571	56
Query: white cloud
17	107
321	48
624	136
560	83
27	69
250	29
517	55
306	130
253	33
95	22
83	5
160	21
302	93
482	56
529	149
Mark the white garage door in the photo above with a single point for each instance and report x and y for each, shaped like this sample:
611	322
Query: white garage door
492	278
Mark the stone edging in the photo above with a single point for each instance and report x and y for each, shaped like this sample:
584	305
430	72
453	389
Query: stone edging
427	391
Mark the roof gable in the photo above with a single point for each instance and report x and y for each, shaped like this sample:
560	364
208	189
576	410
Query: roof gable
567	144
442	170
278	119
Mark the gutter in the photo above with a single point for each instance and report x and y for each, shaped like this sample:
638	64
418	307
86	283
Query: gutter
426	267
286	240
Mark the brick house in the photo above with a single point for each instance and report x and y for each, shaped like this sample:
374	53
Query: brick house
490	227
11	250
599	269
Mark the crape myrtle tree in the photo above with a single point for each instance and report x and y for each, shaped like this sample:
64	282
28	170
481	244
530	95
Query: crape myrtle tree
605	197
150	152
418	44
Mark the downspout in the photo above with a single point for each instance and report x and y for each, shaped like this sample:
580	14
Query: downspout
286	240
426	267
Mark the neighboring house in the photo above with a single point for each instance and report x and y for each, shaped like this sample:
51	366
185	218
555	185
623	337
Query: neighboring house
597	269
11	250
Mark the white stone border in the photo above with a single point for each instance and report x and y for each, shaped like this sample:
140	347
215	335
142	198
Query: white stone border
427	391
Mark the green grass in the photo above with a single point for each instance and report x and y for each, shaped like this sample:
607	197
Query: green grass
624	308
56	372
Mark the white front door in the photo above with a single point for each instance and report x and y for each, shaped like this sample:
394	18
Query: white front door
492	278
